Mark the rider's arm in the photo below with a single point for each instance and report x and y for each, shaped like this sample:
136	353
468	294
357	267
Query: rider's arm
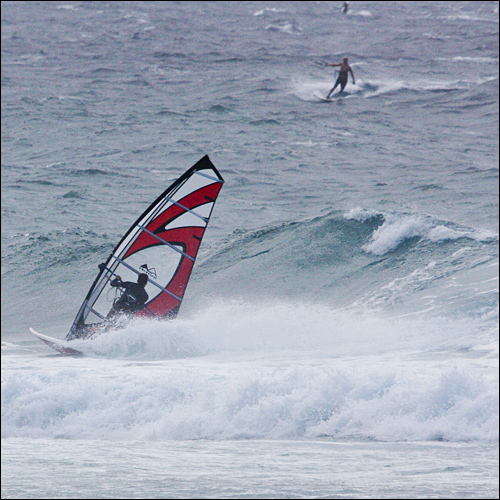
117	281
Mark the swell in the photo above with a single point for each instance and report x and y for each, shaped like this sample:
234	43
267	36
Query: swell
358	257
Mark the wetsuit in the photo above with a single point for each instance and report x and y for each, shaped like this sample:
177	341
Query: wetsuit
133	297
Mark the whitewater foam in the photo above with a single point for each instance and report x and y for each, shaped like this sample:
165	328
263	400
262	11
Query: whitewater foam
397	228
370	381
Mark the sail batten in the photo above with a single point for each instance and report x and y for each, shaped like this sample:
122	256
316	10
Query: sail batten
163	242
188	209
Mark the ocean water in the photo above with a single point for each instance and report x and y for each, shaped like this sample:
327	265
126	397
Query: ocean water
339	336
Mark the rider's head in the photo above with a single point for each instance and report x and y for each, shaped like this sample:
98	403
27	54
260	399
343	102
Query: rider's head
345	59
142	279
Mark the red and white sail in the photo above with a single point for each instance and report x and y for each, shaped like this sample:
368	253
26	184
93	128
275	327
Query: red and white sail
163	243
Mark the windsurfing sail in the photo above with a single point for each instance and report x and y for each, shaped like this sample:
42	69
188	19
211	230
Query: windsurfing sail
162	243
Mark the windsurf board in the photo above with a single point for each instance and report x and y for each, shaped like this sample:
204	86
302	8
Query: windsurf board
61	346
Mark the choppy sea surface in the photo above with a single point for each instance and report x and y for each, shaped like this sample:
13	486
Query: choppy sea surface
339	336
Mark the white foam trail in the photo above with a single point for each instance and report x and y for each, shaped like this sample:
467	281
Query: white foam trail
266	330
264	11
311	90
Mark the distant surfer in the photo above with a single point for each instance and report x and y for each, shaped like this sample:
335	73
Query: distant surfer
345	7
344	71
133	297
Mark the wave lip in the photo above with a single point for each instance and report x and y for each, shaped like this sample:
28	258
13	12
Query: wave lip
398	228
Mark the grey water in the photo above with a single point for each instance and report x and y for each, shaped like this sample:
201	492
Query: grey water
339	336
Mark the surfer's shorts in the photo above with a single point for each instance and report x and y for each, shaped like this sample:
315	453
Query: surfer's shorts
342	80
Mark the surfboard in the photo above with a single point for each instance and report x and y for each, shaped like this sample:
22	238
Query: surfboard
61	346
321	98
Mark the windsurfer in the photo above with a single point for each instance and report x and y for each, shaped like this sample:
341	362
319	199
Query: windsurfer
133	297
344	71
